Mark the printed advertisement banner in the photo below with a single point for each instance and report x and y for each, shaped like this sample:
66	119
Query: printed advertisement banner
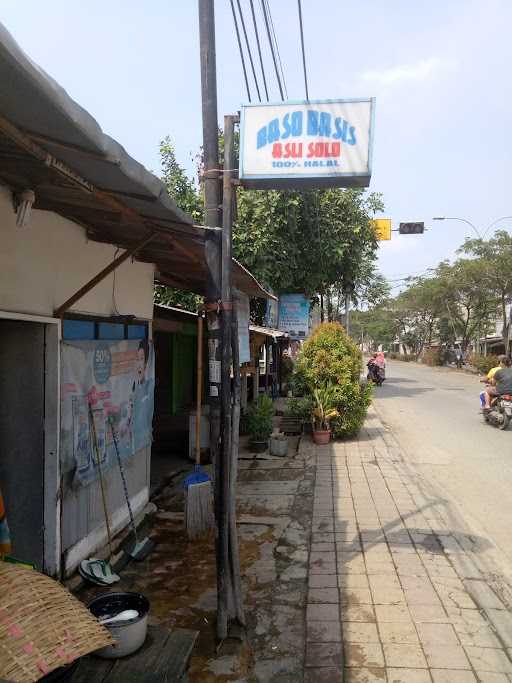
324	143
104	381
294	315
271	313
243	314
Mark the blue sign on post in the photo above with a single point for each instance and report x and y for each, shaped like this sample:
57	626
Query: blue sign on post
294	315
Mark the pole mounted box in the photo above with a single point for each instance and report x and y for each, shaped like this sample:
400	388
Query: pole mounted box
382	227
411	228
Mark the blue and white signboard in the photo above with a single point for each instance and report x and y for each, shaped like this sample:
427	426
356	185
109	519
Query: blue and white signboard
294	315
321	143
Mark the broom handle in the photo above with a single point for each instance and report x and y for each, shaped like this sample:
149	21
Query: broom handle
123	478
199	387
98	463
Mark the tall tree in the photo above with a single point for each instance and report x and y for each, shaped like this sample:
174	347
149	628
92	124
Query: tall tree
496	257
305	242
184	192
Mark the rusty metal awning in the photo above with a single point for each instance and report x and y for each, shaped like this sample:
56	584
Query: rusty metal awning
51	145
268	332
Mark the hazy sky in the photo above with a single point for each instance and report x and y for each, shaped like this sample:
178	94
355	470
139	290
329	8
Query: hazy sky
440	71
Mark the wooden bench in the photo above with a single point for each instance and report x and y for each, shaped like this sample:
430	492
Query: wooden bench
163	658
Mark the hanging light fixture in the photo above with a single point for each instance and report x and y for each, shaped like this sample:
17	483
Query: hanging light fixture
23	203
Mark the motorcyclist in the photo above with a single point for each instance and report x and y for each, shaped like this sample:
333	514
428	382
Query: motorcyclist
376	366
500	383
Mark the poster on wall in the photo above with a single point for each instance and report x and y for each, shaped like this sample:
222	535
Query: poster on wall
104	381
271	313
243	315
319	143
294	315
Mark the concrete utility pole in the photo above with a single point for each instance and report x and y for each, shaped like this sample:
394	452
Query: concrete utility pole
212	212
213	291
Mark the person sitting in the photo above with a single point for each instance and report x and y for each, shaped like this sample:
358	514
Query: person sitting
501	382
380	360
487	380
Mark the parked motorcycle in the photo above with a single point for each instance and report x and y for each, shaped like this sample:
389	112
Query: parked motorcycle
500	413
376	374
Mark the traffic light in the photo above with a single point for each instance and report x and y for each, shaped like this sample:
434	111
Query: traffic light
411	228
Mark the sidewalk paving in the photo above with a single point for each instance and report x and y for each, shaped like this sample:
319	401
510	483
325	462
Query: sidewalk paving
396	591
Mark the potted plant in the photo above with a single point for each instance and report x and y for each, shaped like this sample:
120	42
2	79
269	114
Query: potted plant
324	409
259	423
278	444
296	413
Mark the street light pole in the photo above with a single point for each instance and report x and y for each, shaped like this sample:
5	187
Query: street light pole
463	220
481	236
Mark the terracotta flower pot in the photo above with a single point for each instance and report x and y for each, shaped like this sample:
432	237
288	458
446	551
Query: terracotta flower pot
321	437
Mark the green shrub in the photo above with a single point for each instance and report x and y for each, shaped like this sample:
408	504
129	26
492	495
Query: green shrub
298	384
299	407
330	357
483	363
259	418
286	368
433	357
353	402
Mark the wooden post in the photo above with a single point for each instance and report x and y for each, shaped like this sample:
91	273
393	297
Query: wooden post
266	364
256	383
244	390
199	386
234	554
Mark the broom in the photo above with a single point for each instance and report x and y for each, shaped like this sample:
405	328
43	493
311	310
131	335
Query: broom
199	517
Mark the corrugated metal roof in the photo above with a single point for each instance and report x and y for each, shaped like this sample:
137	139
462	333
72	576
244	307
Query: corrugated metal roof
50	144
267	331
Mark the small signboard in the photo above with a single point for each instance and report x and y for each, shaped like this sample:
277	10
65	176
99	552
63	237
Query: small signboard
320	143
382	227
271	313
294	315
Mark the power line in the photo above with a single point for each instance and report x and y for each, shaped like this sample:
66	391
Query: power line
277	47
264	9
303	52
259	47
248	49
241	51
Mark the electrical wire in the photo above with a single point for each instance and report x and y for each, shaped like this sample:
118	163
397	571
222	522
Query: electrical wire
277	48
256	33
303	52
241	51
248	49
267	26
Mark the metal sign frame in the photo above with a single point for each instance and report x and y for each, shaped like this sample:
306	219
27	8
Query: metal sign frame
326	179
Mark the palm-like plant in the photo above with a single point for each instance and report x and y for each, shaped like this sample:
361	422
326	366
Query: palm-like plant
324	408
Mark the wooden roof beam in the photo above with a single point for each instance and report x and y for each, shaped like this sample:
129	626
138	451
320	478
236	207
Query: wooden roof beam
59	312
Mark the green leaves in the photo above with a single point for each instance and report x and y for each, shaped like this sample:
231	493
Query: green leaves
304	241
330	365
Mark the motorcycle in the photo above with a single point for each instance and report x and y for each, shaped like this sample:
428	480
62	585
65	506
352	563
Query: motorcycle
376	374
500	413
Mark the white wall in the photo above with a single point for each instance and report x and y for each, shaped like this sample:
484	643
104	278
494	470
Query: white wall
44	264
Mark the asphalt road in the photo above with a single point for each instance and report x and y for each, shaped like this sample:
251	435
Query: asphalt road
434	415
